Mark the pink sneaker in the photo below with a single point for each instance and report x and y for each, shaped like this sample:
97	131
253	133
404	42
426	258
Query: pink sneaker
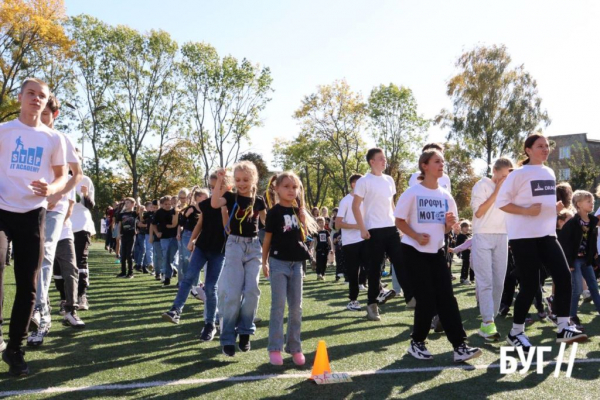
298	358
275	358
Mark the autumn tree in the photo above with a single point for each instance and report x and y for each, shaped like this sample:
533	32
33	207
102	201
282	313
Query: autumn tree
495	105
397	128
29	30
462	177
336	117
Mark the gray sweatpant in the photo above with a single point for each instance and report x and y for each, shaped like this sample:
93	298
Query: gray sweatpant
65	270
489	253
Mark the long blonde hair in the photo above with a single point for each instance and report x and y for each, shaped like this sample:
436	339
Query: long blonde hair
310	225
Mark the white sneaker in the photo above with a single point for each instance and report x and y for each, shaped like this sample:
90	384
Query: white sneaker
82	301
419	351
463	353
37	337
385	295
201	293
519	340
36	319
362	287
353	306
72	319
587	296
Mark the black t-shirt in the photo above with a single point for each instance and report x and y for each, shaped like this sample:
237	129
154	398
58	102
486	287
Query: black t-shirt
460	239
189	223
245	220
286	242
147	219
127	220
162	218
212	236
322	238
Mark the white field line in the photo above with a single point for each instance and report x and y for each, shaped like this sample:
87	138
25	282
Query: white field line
182	382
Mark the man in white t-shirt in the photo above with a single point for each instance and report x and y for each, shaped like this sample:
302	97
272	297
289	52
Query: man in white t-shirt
375	191
58	204
352	244
31	156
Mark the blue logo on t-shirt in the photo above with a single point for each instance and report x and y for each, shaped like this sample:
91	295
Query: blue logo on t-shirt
26	159
431	210
543	188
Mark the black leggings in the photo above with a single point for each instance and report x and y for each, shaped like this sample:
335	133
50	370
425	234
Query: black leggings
26	231
321	263
354	256
82	244
531	256
127	242
432	286
466	271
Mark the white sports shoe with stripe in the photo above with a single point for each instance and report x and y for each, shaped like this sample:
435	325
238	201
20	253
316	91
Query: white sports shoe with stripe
419	351
570	335
519	340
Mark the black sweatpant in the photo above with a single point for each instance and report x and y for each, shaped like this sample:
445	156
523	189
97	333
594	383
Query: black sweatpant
531	256
432	286
127	243
385	241
466	270
321	258
82	244
340	265
355	255
26	230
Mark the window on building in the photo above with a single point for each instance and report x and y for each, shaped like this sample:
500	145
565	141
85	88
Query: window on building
564	152
564	174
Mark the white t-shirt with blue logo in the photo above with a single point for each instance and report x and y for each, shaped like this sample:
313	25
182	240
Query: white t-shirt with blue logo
524	187
425	212
27	154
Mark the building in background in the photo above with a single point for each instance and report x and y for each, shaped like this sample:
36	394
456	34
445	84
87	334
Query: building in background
571	148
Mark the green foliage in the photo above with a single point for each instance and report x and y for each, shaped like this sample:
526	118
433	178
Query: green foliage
462	178
263	170
495	106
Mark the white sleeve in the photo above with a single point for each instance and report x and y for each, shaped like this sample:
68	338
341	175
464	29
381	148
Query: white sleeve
392	183
71	153
91	191
360	189
58	158
507	191
402	210
478	196
343	209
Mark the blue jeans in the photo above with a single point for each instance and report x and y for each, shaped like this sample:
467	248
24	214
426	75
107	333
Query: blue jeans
169	250
185	254
158	257
139	251
238	288
149	254
586	272
214	267
286	284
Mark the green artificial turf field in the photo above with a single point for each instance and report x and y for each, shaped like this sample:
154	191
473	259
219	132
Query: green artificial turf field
127	343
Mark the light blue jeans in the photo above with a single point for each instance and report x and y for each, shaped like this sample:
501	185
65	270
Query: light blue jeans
139	250
184	253
169	251
238	288
286	284
214	265
158	257
583	271
54	225
149	254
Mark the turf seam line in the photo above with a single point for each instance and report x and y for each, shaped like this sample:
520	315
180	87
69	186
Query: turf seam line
181	382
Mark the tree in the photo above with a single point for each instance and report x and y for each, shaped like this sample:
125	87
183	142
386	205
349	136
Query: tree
336	116
495	106
225	99
29	29
261	166
397	128
462	177
583	169
144	74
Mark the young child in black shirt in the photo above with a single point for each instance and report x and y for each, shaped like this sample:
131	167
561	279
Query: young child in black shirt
466	270
323	246
127	219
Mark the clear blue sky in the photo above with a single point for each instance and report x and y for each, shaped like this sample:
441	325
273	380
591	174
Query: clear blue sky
411	43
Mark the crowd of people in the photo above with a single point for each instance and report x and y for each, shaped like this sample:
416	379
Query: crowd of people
525	228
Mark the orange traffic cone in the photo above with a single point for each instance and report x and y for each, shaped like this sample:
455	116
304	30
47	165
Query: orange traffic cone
321	364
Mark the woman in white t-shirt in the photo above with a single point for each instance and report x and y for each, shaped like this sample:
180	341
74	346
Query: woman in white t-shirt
528	196
425	213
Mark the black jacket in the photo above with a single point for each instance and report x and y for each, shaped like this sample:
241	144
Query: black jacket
570	238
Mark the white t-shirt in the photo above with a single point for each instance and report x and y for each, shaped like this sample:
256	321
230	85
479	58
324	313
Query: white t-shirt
494	220
27	154
377	193
444	181
349	236
523	187
425	212
82	217
67	231
72	158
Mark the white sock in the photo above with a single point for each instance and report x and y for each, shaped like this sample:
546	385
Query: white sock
563	322
516	329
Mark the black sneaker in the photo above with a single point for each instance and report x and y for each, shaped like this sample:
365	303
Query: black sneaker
419	351
570	335
463	353
16	362
229	350
145	270
157	277
208	332
137	268
174	273
167	282
385	295
171	316
504	310
519	340
549	304
552	318
129	275
244	343
122	275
